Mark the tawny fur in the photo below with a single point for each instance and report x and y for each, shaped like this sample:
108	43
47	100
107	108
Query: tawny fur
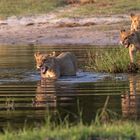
131	40
135	22
64	64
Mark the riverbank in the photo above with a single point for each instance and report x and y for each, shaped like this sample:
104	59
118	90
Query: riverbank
51	30
57	23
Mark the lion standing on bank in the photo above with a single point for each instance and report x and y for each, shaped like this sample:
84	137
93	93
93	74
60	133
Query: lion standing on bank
53	67
131	39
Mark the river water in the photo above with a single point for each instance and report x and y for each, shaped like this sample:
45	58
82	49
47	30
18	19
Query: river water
25	98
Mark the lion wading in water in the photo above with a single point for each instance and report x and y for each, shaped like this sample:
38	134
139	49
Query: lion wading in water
53	67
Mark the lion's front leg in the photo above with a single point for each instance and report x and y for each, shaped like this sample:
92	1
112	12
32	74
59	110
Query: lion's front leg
132	54
132	67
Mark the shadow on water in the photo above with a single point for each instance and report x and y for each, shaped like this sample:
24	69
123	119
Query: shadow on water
25	97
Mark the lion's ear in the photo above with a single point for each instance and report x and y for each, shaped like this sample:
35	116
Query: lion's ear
53	54
37	54
45	56
132	15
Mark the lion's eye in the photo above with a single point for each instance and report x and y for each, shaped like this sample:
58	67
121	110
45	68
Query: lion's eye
126	38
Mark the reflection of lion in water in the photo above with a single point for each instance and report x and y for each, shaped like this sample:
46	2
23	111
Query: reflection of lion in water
53	67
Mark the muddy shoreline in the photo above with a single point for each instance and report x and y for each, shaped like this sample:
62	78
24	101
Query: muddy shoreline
51	30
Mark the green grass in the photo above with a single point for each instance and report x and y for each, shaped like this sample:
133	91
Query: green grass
101	7
117	130
105	7
63	130
28	7
112	60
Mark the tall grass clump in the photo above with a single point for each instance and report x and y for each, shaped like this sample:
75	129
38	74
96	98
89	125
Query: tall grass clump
105	115
113	60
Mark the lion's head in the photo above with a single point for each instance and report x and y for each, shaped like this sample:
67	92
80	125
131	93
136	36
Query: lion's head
44	61
135	22
128	38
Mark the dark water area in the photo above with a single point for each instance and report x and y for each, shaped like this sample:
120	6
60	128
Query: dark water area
26	99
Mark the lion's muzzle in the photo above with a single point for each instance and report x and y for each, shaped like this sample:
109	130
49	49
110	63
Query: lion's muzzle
125	43
44	69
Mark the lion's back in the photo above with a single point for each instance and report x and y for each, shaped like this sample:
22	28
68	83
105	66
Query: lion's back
68	63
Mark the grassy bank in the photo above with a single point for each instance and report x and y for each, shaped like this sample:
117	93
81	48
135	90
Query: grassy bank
28	7
112	60
102	7
106	7
110	131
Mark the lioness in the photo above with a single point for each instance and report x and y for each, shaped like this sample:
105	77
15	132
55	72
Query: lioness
130	40
135	22
53	67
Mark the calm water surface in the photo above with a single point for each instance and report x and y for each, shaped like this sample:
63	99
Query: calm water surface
25	98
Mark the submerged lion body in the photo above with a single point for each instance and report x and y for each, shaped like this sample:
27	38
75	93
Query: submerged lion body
53	67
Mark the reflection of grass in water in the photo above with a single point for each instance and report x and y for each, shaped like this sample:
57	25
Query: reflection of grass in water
64	130
108	60
104	114
9	104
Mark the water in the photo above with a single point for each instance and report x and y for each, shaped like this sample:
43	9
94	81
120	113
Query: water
25	98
